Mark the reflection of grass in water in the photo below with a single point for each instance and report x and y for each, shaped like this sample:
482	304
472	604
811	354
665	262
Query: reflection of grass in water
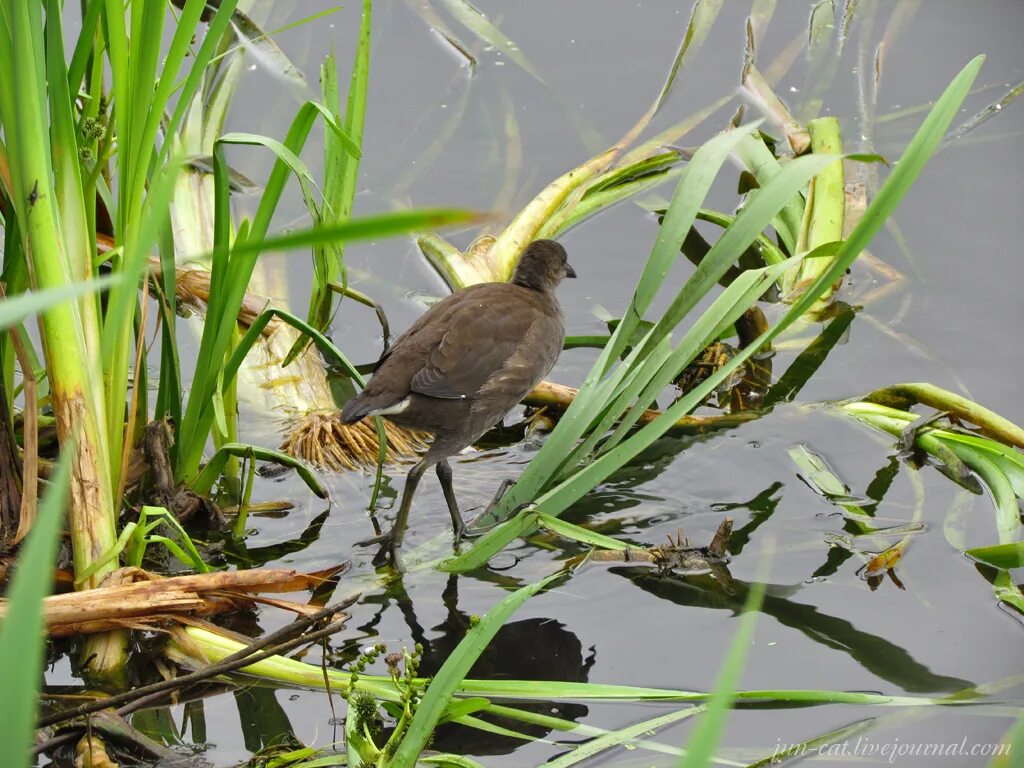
990	455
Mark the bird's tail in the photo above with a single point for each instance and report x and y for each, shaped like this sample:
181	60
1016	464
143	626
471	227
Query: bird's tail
356	408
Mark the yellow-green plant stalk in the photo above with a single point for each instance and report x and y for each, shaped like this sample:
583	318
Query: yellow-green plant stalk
45	191
492	259
823	216
991	423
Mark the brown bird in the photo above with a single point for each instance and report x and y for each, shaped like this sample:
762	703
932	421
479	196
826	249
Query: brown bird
464	364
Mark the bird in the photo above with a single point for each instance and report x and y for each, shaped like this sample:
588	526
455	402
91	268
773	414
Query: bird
464	364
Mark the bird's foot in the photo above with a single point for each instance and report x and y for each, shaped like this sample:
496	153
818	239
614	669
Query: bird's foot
488	520
388	554
387	538
470	530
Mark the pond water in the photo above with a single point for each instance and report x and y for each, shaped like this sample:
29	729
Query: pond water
437	134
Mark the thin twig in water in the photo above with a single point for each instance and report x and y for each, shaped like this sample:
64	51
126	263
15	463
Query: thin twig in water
257	651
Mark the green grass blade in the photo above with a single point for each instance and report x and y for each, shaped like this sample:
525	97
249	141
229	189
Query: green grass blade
906	171
570	726
690	192
363	228
342	152
215	30
621	737
15	309
756	215
451	761
578	533
204	482
150	108
22	644
760	161
910	165
1005	556
700	749
355	109
720	316
84	47
453	672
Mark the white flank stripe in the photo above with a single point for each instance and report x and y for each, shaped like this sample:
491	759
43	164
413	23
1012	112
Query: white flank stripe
398	407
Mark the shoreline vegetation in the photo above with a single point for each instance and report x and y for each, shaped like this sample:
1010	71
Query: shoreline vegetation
122	475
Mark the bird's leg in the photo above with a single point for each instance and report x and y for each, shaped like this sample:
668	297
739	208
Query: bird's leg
393	538
444	474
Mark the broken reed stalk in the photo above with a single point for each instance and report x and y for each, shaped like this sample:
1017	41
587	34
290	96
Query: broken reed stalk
155	600
823	215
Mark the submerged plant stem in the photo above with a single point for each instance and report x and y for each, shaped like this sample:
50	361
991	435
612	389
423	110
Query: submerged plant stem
992	424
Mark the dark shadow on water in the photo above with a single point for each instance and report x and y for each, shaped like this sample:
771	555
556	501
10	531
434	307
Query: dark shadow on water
879	656
761	507
263	720
529	649
807	363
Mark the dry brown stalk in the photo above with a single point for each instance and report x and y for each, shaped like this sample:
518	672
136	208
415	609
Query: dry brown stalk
139	599
320	438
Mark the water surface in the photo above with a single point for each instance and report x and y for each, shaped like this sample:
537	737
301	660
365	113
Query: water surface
953	321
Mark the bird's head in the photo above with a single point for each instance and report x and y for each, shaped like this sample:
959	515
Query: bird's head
542	266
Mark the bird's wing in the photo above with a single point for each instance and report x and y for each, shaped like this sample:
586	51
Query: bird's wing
479	342
534	356
438	310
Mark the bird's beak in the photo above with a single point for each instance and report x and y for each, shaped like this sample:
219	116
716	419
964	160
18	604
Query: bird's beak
569	271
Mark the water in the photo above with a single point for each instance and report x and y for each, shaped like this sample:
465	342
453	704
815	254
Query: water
436	135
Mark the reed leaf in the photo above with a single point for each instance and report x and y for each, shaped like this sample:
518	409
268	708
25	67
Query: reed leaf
701	747
289	671
341	174
1005	556
621	737
448	679
205	480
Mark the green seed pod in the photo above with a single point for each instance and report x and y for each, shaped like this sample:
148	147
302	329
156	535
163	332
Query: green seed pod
365	708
